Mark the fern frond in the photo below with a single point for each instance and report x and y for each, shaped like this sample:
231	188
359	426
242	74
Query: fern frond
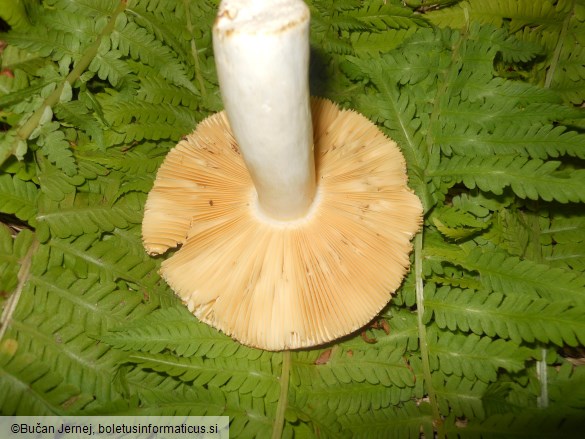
125	112
492	114
54	183
514	50
512	231
499	272
519	12
380	15
31	386
139	184
396	331
76	114
18	197
14	13
59	46
12	251
111	257
95	9
460	396
569	72
346	366
373	44
566	235
533	141
457	224
532	179
136	42
134	120
508	317
81	304
567	385
57	148
474	357
155	91
84	213
354	397
406	421
108	65
56	316
143	159
64	348
256	379
177	400
176	329
312	419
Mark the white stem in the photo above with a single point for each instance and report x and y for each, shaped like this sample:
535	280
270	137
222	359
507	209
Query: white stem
262	57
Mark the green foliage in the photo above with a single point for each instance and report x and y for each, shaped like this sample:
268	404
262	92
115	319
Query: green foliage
484	338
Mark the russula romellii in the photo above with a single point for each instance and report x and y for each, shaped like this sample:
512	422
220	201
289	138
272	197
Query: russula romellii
294	216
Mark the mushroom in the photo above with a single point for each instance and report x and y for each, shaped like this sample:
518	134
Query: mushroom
294	217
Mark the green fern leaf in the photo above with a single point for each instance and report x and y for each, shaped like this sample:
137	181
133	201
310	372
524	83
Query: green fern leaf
177	330
347	366
474	357
508	138
139	184
31	386
182	401
136	42
492	114
514	50
84	213
108	65
532	179
381	16
460	396
247	378
507	317
499	272
88	8
457	224
353	398
14	13
400	333
406	421
156	91
12	252
18	197
60	46
55	184
567	384
76	114
519	12
373	44
140	160
55	316
566	238
113	258
125	112
57	148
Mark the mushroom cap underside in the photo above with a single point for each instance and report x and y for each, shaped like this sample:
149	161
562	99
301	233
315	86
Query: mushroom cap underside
285	285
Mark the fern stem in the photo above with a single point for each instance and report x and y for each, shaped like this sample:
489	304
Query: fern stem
282	397
422	334
194	52
557	53
542	373
31	124
23	273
